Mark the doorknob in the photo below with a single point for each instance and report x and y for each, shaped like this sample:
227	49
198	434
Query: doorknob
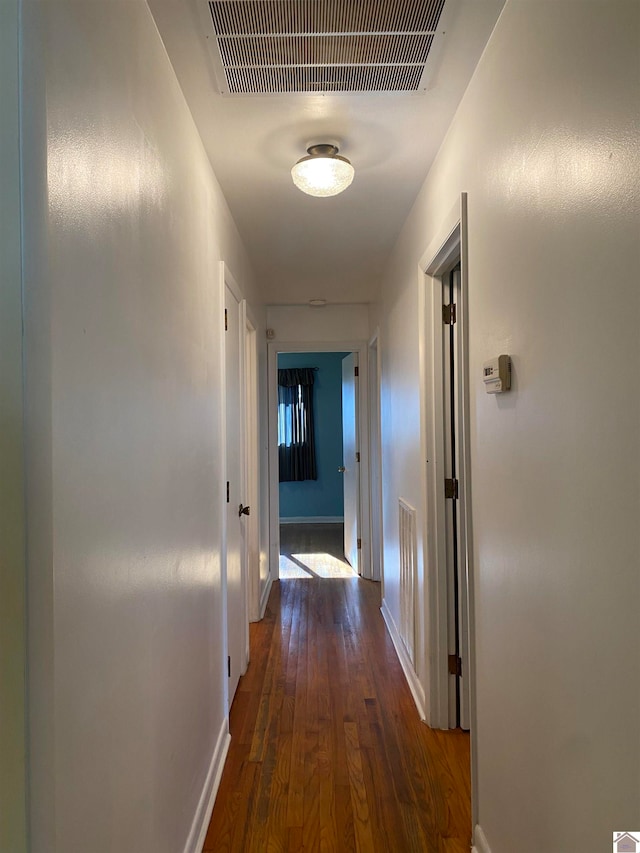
244	510
341	469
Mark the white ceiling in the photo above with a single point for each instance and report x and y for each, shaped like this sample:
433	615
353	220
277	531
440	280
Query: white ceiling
332	248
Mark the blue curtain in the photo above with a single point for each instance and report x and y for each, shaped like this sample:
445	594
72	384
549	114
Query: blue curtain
296	445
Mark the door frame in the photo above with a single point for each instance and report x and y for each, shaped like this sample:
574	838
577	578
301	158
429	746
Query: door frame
375	456
251	461
449	245
273	349
455	510
227	279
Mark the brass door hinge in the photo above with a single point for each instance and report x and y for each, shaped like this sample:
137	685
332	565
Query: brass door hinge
449	314
455	665
227	491
451	489
226	320
356	371
357	457
359	543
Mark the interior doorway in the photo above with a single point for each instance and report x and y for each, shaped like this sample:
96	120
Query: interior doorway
333	498
317	464
445	418
448	491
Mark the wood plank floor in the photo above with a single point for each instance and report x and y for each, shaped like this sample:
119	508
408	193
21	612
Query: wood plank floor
313	550
327	751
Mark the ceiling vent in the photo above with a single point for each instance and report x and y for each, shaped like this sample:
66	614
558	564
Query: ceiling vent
267	47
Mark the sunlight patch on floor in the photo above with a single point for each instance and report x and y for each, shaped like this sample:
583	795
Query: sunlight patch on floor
314	566
289	569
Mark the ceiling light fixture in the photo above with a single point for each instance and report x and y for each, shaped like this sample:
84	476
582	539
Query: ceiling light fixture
323	172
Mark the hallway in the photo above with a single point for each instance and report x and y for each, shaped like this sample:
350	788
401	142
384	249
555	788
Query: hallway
327	750
141	193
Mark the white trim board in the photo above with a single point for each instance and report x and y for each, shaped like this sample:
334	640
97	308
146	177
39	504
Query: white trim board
480	843
410	674
202	817
312	519
266	592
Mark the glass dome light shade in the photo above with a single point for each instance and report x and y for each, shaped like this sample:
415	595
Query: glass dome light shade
323	172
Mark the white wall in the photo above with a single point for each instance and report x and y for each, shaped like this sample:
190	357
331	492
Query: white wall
12	519
302	323
545	143
125	228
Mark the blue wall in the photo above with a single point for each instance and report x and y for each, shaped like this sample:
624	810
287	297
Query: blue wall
322	497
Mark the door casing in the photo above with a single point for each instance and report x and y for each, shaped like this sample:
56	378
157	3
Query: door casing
375	457
350	463
449	243
451	391
252	467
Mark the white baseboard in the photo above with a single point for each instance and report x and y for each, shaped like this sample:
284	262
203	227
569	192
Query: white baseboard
264	598
415	687
200	825
313	519
480	843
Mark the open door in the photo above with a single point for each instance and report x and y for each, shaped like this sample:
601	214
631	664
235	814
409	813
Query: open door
350	459
456	548
237	617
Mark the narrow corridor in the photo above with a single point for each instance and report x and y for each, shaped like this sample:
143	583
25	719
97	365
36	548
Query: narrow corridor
328	752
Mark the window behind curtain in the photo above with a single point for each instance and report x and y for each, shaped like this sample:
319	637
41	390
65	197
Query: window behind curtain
296	445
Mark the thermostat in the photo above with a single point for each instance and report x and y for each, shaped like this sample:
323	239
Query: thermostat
496	374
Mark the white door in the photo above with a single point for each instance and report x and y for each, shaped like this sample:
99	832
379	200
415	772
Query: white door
350	461
457	585
237	618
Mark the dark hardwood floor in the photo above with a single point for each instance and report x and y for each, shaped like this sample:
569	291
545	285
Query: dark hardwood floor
327	751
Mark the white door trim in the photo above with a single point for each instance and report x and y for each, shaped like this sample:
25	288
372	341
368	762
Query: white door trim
359	347
227	280
449	243
252	463
375	455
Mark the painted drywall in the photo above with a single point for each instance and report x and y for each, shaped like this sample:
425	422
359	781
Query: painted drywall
125	226
12	520
303	323
322	497
545	143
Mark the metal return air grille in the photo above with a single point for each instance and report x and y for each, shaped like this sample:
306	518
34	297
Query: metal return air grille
275	46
